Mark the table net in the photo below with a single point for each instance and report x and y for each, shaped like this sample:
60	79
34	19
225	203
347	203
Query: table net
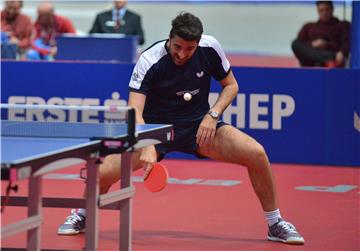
66	121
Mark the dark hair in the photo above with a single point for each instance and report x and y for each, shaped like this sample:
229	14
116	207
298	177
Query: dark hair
187	26
330	3
20	2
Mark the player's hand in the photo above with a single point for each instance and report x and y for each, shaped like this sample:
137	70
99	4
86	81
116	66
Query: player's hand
206	132
319	43
14	40
340	58
53	51
148	157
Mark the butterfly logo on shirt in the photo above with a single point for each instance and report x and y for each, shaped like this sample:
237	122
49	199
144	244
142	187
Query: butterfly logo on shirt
193	92
135	76
200	74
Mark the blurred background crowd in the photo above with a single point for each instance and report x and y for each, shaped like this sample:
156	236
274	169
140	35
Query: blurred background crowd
251	32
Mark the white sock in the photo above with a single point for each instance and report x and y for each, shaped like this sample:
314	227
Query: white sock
272	217
81	211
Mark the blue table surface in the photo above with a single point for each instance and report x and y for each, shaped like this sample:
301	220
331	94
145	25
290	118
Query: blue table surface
39	141
19	148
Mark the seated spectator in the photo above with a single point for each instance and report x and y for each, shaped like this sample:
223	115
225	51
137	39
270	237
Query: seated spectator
16	30
47	26
325	42
119	20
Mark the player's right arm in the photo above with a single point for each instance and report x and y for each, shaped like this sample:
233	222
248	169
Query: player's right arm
137	101
143	76
148	155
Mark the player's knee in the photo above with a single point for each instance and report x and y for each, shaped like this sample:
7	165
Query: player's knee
108	178
136	163
259	153
109	170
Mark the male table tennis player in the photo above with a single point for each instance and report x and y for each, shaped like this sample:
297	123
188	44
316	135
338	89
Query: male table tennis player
170	85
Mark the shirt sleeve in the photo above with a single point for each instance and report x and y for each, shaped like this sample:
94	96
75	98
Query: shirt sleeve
342	41
96	28
141	77
345	37
221	63
66	26
303	35
139	31
26	32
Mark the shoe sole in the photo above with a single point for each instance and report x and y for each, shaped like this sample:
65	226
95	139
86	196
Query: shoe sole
71	233
291	241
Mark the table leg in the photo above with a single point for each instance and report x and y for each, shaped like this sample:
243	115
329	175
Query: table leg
92	209
34	208
126	205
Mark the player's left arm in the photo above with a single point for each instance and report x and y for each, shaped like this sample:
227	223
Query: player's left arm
229	91
207	129
221	72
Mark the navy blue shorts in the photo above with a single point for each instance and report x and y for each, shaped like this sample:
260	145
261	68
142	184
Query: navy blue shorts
184	139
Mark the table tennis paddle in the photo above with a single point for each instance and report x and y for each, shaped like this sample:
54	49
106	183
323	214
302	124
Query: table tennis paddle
157	178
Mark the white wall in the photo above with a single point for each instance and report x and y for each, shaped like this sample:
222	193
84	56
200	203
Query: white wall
240	27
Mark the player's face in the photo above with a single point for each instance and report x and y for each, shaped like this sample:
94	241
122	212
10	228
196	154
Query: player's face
181	50
12	9
119	4
325	12
45	18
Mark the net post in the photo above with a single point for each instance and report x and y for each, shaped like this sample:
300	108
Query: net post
131	125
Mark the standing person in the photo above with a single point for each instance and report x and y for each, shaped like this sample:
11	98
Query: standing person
325	42
16	27
47	26
170	84
119	20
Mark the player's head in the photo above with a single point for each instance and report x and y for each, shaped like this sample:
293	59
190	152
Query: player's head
46	13
184	37
12	9
187	26
118	4
325	10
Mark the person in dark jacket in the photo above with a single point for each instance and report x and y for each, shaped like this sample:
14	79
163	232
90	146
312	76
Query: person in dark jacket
119	20
325	42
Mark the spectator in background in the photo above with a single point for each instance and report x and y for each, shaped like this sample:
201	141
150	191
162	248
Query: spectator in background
16	30
119	20
325	42
47	26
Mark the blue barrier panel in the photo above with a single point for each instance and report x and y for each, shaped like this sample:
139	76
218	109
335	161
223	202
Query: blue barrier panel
343	122
321	128
99	47
277	90
308	116
355	35
64	84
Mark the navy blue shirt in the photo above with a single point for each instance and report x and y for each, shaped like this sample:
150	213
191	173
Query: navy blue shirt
164	83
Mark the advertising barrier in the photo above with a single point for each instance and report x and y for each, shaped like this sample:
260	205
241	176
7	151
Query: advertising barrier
97	47
308	116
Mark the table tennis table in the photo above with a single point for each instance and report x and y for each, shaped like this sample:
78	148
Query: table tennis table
31	149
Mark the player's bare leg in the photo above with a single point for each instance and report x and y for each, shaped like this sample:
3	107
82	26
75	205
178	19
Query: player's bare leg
109	173
232	145
110	170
